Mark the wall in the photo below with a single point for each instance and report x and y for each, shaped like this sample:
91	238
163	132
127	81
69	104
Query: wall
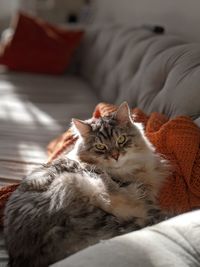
7	7
55	11
178	16
59	12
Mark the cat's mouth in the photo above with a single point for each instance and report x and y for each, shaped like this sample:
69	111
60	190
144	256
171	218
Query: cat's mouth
117	164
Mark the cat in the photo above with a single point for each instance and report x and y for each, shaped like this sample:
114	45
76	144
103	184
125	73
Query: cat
106	186
118	145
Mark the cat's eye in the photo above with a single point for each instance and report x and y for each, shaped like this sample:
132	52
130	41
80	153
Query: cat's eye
100	146
121	139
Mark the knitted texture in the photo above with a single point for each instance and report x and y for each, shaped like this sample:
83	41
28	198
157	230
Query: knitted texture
5	192
177	140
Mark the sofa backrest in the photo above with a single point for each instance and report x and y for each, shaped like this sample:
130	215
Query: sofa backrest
153	72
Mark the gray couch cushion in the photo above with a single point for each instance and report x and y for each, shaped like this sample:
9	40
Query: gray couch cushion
111	56
173	243
154	72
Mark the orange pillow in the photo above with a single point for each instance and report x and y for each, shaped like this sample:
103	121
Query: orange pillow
40	47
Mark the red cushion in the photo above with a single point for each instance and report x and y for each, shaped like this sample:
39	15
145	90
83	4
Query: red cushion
40	47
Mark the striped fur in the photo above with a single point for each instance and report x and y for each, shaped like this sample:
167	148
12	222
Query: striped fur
137	162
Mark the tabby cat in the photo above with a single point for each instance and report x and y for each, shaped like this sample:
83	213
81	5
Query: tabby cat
106	186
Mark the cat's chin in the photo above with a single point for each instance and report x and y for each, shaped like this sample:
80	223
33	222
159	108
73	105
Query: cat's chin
115	164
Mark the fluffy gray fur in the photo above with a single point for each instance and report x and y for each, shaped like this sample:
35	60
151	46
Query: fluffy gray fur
67	205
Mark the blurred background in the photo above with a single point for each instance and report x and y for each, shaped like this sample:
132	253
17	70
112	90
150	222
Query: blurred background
177	16
54	11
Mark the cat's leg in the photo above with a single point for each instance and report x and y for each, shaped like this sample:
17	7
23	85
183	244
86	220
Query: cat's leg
123	207
124	203
127	203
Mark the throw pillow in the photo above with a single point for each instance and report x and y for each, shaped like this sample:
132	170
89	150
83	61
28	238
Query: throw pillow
37	46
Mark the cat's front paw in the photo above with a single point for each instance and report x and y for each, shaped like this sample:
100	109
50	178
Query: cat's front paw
125	207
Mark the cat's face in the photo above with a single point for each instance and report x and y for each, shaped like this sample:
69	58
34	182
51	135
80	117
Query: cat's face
109	141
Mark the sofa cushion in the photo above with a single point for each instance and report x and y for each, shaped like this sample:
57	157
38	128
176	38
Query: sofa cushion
174	242
153	72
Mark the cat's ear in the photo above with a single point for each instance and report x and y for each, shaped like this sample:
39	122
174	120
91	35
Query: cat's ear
82	127
123	115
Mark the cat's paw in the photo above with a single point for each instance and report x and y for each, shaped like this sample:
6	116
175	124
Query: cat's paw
125	208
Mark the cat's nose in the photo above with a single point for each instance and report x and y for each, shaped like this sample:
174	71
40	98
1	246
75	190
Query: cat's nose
115	155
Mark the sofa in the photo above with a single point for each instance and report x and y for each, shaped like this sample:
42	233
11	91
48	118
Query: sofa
155	72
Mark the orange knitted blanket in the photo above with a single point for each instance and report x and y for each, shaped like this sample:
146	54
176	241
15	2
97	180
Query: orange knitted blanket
178	140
